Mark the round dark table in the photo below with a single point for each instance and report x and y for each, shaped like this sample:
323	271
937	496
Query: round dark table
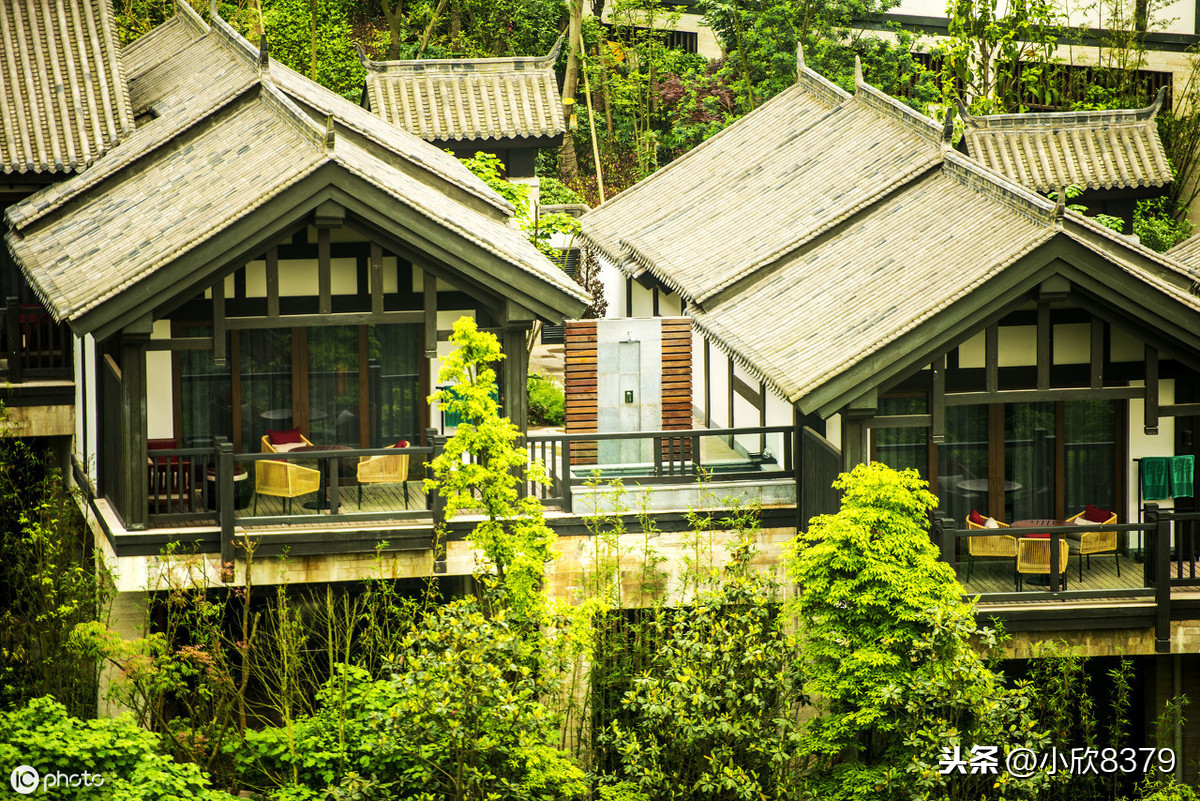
346	465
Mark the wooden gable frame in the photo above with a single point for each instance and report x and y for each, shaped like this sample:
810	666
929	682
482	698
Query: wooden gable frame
1061	269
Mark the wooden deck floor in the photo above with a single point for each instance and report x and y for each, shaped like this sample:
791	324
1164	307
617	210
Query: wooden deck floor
375	498
996	575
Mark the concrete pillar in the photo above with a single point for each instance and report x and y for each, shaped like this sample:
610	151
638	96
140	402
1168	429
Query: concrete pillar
128	617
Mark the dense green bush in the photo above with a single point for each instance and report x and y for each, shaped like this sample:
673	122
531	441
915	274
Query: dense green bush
42	735
547	402
552	191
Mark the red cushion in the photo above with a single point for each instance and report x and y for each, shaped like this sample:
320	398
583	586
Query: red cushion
401	444
1096	515
1045	535
977	518
284	437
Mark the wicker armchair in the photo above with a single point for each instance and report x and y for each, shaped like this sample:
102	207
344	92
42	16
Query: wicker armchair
1001	545
284	480
1033	556
1091	542
383	469
267	447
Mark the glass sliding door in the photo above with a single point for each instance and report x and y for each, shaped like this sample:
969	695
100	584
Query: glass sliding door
1089	431
205	394
1029	458
264	384
333	385
394	384
963	466
903	448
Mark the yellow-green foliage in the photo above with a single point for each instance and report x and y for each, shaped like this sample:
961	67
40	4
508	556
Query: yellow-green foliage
480	469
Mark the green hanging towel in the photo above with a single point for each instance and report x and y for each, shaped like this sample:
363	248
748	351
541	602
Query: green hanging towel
1156	478
1183	476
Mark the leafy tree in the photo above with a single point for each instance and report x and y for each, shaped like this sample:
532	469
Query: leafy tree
713	714
468	715
760	38
50	581
43	735
886	641
480	469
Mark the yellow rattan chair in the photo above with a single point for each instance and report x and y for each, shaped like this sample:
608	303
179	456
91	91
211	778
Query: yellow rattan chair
1091	542
1001	545
284	480
267	447
383	469
1033	556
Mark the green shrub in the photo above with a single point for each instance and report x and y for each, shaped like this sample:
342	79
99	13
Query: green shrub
554	192
1156	228
547	402
42	735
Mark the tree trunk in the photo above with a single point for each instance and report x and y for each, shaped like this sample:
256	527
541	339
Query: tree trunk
395	21
437	12
568	167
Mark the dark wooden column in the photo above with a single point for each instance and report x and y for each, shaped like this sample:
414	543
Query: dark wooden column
515	372
855	431
135	500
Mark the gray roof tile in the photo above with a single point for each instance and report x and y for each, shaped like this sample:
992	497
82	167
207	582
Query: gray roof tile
63	98
822	226
468	99
1089	149
229	139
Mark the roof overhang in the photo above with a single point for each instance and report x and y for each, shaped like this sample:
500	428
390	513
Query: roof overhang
1165	320
439	250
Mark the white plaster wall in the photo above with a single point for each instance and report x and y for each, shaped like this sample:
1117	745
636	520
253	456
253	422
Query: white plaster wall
1171	17
160	415
643	301
1142	444
86	406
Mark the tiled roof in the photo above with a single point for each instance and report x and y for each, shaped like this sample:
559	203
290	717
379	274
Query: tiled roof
468	99
63	99
762	189
222	145
823	226
1089	149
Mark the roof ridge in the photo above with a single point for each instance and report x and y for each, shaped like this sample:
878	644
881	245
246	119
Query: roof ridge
227	34
1119	116
190	17
879	101
1173	263
969	172
452	64
820	86
719	136
258	60
481	192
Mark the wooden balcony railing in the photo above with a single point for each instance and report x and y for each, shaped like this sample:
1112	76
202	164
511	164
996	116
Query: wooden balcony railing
1171	541
34	346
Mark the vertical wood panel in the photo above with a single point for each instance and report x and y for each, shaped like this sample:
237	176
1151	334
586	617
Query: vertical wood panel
579	377
324	272
272	271
364	388
376	279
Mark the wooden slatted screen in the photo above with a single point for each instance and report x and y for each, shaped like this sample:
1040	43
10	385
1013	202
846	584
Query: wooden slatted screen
677	381
580	380
579	375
